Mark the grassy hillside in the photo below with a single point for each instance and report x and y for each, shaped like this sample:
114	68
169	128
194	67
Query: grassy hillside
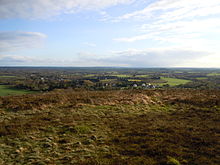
153	127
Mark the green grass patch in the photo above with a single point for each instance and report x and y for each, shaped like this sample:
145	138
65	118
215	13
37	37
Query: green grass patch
192	72
162	108
81	129
201	78
213	74
7	76
127	75
142	76
172	161
108	80
174	81
90	75
121	75
164	74
6	90
135	80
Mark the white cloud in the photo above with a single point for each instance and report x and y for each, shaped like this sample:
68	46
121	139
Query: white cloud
104	16
177	32
183	23
15	40
136	38
175	9
48	8
19	60
10	60
132	39
154	57
89	44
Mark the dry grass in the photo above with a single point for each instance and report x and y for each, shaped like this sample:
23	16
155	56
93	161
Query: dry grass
153	127
74	98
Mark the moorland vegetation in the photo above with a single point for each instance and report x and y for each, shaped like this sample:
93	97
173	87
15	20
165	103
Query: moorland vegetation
152	127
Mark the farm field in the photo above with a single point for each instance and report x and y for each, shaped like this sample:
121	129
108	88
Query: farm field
201	78
7	76
213	74
129	76
174	81
108	80
5	90
47	79
134	80
121	75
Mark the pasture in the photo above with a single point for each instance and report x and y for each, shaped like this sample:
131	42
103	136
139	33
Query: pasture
6	90
174	81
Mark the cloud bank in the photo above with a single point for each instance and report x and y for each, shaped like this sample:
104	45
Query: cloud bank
174	57
174	21
164	57
174	10
186	24
15	40
48	8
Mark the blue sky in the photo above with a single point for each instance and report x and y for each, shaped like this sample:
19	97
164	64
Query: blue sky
131	33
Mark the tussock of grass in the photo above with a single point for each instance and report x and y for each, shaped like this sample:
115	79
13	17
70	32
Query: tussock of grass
172	161
81	129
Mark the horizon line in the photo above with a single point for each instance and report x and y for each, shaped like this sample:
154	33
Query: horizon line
156	67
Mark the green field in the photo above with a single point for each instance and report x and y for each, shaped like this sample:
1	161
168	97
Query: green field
121	75
135	80
213	74
90	75
142	76
201	78
5	90
7	76
174	81
108	80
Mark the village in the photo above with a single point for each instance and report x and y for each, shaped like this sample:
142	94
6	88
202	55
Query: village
48	79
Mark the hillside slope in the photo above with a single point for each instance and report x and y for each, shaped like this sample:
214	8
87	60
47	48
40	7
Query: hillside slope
152	127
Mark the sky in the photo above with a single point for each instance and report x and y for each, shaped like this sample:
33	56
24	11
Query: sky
110	33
